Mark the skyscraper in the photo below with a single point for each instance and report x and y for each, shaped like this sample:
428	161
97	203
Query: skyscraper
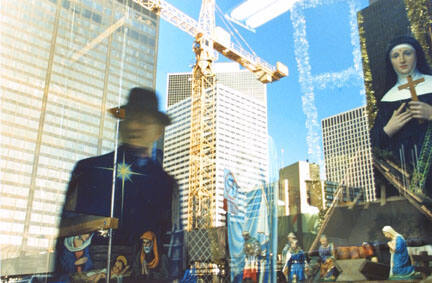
347	151
64	63
241	133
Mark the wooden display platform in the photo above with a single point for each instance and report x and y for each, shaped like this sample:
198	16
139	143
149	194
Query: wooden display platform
85	224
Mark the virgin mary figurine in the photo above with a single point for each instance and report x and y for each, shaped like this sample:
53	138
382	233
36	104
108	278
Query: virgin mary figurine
400	263
403	126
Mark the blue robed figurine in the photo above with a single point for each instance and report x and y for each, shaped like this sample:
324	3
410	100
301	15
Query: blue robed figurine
190	275
295	265
143	190
400	263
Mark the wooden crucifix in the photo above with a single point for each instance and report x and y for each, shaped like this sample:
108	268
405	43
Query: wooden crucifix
411	86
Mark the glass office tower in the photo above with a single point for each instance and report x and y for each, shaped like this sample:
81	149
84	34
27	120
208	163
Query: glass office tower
63	64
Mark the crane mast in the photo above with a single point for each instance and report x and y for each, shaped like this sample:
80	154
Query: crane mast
202	167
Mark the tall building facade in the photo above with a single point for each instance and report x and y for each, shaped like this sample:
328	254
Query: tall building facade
63	64
347	151
300	189
241	133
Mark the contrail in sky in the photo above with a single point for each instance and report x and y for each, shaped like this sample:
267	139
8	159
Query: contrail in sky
308	83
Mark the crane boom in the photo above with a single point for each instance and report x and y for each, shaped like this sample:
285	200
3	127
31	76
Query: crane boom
264	71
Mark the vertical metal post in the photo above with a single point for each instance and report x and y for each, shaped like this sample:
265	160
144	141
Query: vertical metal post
113	189
274	235
114	176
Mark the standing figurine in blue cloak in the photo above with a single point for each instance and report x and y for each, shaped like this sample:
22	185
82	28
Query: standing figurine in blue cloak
295	265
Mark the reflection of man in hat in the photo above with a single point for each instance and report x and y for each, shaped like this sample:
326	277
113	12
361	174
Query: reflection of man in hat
143	190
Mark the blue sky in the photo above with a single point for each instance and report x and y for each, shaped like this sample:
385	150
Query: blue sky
320	34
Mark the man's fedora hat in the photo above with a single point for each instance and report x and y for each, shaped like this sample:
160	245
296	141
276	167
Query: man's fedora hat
141	101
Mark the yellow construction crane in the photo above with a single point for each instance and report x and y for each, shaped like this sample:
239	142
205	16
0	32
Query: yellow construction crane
202	168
